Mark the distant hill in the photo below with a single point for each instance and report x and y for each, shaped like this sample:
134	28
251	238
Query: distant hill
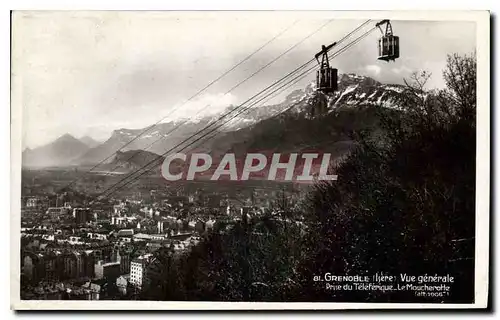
60	152
131	160
159	139
90	142
121	138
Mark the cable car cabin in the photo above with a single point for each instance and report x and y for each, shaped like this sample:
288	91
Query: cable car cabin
388	45
388	48
326	80
326	77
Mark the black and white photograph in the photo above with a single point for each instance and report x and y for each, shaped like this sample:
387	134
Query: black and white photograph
250	160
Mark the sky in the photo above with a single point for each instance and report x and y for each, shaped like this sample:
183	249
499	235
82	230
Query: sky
89	73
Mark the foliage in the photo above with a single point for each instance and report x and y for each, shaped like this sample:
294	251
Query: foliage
250	260
405	203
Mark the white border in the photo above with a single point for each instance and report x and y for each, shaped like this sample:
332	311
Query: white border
482	178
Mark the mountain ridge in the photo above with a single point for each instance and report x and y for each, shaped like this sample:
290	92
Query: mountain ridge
89	141
355	91
60	152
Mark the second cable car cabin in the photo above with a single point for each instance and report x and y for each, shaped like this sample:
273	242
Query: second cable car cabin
388	44
326	77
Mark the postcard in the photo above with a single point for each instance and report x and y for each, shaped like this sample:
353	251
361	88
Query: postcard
214	160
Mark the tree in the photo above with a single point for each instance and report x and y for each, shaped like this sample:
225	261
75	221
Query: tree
163	276
460	76
404	202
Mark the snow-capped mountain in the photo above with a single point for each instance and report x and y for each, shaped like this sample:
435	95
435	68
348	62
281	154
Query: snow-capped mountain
354	90
359	90
353	107
157	139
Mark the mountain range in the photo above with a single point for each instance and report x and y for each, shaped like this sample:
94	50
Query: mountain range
264	128
61	152
89	141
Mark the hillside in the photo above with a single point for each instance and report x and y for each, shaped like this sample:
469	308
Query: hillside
153	140
61	152
352	109
129	161
89	141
